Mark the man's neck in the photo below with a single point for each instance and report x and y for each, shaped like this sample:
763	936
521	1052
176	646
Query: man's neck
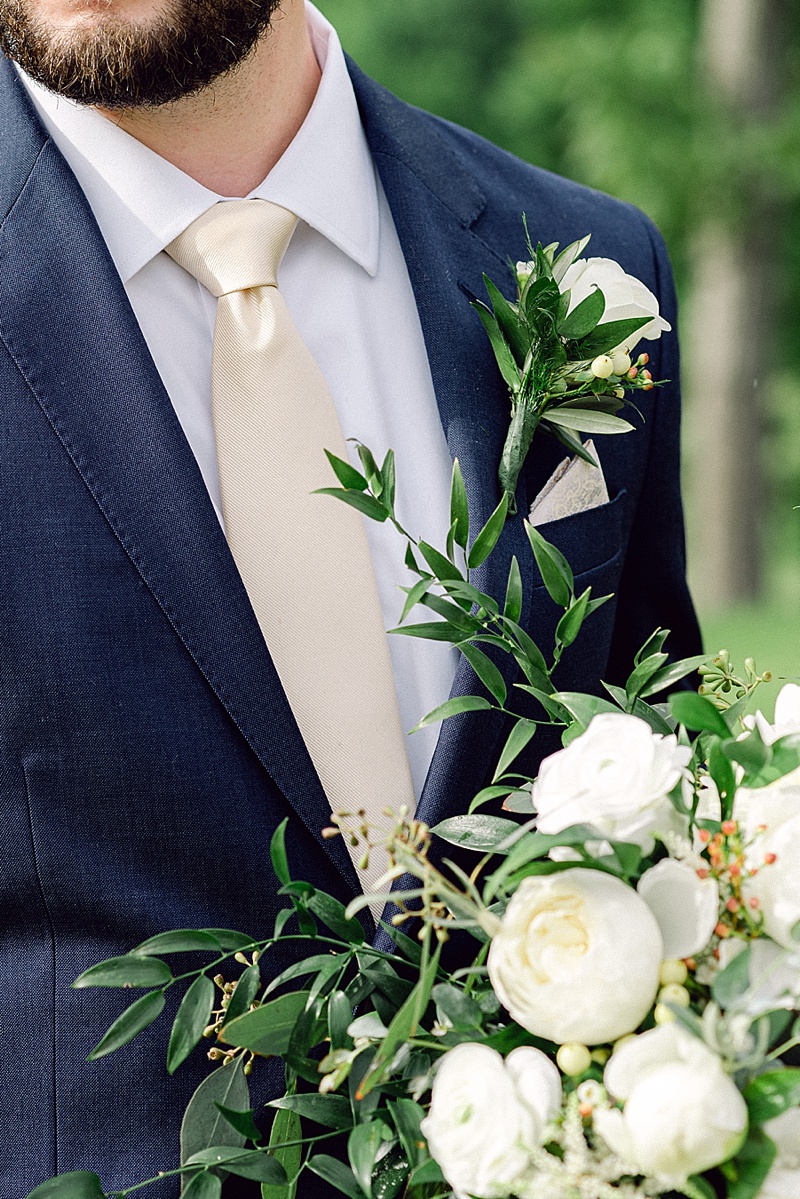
229	136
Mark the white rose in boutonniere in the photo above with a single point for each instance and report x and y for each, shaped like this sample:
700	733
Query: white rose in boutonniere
617	776
682	1113
625	296
487	1116
577	957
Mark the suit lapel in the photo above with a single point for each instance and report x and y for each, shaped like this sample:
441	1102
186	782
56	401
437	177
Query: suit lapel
66	321
435	204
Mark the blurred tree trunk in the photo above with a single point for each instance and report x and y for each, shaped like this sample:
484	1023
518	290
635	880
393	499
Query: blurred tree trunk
729	311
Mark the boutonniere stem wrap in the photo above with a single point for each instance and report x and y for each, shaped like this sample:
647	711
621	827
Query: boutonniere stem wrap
564	345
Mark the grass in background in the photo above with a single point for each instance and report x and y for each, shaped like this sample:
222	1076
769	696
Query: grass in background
766	632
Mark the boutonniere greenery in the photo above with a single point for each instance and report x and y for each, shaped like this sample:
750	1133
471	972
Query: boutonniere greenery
563	346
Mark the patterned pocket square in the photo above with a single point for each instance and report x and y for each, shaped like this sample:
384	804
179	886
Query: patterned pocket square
574	486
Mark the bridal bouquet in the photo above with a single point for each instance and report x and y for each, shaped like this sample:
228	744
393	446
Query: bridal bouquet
591	996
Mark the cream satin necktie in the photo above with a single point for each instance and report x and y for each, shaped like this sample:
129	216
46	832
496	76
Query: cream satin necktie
303	558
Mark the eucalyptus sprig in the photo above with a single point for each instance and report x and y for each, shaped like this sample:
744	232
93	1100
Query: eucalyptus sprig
567	371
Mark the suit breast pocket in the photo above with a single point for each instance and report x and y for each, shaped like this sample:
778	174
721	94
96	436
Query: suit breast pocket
591	538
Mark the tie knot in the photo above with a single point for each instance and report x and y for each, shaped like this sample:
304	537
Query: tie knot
236	245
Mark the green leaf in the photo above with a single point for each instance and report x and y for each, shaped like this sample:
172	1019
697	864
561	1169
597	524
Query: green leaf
459	511
697	1187
414	595
182	940
203	1123
388	480
571	622
337	1174
584	317
442	567
331	1111
653	645
462	1011
721	771
132	970
438	631
642	673
518	738
332	915
244	993
366	504
204	1185
427	1174
502	352
584	420
489	535
347	475
340	1017
453	707
362	1149
512	609
403	1026
453	613
248	1163
556	572
584	708
285	1128
752	1165
230	939
277	853
242	1122
750	752
190	1020
672	673
308	966
772	1093
511	325
134	1020
370	466
479	832
486	671
608	336
572	443
78	1184
697	713
407	1116
732	982
268	1030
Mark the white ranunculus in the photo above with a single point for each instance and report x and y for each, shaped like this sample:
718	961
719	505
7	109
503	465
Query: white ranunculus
487	1116
685	906
783	1180
626	297
577	957
617	777
682	1113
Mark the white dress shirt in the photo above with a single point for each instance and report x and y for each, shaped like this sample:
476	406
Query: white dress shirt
346	285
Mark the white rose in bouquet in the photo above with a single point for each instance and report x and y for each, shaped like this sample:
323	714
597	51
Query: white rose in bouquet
787	716
577	957
487	1117
685	906
617	776
783	1180
769	818
682	1113
626	297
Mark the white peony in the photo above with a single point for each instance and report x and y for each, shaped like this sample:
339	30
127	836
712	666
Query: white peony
685	906
617	777
682	1113
783	1180
488	1116
769	818
625	296
787	716
577	957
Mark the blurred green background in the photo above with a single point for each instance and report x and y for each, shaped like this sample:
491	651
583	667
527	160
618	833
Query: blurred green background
691	110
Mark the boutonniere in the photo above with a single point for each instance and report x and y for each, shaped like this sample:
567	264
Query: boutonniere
563	346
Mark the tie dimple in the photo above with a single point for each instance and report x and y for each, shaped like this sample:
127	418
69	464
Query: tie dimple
235	246
303	558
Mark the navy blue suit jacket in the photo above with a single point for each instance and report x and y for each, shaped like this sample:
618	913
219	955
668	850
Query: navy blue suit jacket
147	751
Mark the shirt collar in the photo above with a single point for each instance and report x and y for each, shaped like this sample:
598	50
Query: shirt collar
142	202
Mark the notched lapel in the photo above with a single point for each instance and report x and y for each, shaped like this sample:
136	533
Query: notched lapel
66	321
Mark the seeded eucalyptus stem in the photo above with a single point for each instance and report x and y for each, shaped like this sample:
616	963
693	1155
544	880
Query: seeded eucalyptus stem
525	419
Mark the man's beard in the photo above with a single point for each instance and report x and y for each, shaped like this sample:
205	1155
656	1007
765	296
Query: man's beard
122	64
